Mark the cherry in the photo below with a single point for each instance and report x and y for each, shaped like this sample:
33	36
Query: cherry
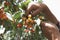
29	26
19	25
7	3
4	17
29	16
32	30
41	17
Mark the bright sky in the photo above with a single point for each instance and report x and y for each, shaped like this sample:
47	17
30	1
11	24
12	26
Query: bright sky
54	6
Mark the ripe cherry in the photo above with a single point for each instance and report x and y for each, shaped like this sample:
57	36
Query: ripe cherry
41	17
19	25
29	16
29	26
23	18
4	17
7	3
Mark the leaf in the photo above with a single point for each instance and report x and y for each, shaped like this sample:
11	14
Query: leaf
17	15
9	16
6	9
15	8
2	29
25	4
7	25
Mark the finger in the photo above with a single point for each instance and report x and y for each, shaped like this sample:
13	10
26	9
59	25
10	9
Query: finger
36	12
31	7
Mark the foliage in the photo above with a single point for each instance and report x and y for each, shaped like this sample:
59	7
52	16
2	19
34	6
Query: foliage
14	26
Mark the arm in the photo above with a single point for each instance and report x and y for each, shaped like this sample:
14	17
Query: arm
49	15
47	29
40	7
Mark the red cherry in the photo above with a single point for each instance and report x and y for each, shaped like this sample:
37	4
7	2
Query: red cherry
29	16
29	26
32	30
27	22
32	22
19	25
4	17
7	3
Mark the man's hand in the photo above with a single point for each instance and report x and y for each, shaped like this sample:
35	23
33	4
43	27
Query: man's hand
34	9
50	30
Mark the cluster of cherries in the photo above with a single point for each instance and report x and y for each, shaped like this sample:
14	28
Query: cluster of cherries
28	23
3	14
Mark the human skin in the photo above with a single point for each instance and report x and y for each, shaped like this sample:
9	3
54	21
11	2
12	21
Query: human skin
40	7
49	29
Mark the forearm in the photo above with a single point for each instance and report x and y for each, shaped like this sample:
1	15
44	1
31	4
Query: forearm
49	16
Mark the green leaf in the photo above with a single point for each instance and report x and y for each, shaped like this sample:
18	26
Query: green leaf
17	15
25	4
7	25
6	9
